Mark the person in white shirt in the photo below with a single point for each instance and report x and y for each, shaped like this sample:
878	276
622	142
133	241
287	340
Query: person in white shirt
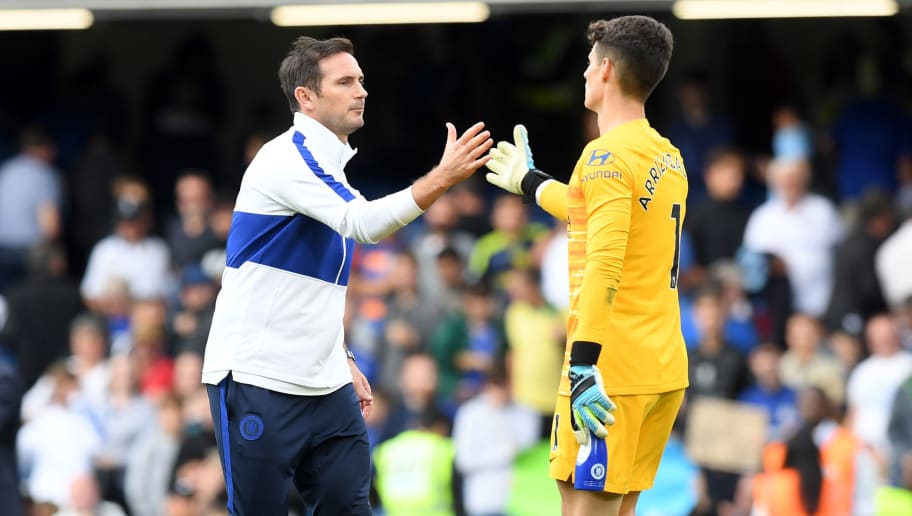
874	383
801	228
892	264
130	253
58	445
284	396
489	431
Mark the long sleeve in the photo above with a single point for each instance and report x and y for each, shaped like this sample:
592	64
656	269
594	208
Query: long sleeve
350	215
286	179
608	213
552	197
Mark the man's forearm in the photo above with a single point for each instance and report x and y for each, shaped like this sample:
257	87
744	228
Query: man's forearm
429	188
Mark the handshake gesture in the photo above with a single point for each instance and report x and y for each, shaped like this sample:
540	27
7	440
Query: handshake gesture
511	166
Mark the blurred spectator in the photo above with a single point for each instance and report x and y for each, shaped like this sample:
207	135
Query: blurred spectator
440	222
536	336
40	311
87	361
451	271
86	500
856	291
508	245
200	488
30	199
10	396
472	214
115	305
850	474
801	228
791	482
823	469
555	279
123	418
791	135
196	481
465	345
765	280
418	388
848	349
716	224
740	328
716	368
57	446
151	460
188	234
892	264
154	368
410	320
197	295
768	393
874	383
698	131
188	369
222	213
130	252
488	433
415	469
806	363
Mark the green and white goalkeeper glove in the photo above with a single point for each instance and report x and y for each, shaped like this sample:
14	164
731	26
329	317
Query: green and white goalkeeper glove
511	166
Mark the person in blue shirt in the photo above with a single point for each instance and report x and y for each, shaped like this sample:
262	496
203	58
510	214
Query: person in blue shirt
768	392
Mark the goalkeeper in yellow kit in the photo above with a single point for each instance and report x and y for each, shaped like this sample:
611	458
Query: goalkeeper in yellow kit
624	205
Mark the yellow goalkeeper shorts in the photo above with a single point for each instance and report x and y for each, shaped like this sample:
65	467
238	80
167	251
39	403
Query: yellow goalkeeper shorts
635	442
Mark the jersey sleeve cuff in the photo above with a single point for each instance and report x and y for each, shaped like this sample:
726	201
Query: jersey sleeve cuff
404	207
540	189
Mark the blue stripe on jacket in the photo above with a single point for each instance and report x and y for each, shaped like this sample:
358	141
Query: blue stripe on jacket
293	243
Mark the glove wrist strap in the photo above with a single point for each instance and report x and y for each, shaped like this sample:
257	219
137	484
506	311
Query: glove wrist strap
584	352
530	183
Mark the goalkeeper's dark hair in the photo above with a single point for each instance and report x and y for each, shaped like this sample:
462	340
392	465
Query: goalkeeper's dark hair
639	47
301	67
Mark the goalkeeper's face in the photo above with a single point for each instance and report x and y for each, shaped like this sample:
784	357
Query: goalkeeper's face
340	104
594	84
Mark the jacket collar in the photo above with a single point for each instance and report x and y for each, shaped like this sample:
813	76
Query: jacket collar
320	137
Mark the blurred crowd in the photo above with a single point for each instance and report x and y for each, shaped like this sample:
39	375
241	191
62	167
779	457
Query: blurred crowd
796	299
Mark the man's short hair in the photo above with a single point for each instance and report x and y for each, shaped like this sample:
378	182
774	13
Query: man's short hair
638	46
301	67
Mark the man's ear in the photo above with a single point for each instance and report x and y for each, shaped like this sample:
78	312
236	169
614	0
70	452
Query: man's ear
606	68
305	97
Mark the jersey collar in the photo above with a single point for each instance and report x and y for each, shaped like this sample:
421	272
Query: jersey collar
324	139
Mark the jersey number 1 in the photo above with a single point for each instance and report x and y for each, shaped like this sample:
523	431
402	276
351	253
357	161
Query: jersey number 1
676	215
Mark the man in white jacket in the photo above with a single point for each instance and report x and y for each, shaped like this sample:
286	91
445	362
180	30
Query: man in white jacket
283	390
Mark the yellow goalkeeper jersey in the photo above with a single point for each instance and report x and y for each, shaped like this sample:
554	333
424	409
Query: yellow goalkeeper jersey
625	206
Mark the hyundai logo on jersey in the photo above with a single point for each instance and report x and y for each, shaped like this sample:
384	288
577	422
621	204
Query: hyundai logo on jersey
600	157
